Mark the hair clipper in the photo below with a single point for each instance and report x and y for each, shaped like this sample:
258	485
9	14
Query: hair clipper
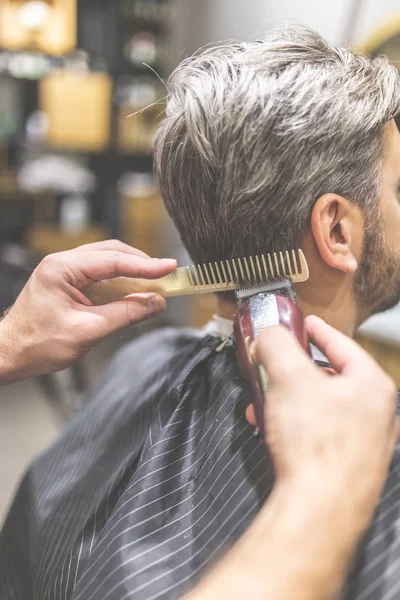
258	308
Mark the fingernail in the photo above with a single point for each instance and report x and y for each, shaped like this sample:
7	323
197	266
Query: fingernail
156	304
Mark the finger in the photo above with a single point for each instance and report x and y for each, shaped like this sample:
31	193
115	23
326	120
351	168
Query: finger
251	415
87	267
328	371
281	355
343	353
111	245
123	313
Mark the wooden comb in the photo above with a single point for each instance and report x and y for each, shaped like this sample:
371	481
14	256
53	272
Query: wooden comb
219	276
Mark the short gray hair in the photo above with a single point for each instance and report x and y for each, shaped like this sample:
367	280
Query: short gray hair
256	132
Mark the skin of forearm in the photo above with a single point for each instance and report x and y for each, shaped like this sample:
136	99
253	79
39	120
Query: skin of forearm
13	354
299	546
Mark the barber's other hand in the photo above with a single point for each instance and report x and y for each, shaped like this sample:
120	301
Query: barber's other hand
52	323
330	433
331	438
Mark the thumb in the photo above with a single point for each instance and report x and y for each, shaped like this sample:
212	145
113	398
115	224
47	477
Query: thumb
343	353
281	355
129	310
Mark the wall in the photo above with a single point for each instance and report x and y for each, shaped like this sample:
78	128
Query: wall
243	19
213	20
376	13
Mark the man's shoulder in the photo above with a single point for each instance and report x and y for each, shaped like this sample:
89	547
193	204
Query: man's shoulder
145	363
166	339
155	350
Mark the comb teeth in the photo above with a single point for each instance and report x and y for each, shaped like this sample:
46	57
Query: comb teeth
250	270
266	271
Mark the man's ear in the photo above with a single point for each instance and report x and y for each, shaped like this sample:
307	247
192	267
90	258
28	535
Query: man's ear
337	227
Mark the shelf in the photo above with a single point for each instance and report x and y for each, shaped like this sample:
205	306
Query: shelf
8	185
127	68
46	239
141	21
9	189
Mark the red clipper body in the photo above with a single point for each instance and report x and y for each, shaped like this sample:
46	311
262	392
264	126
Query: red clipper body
257	311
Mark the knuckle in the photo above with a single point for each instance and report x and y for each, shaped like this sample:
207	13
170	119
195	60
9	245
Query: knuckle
89	335
132	312
48	260
48	265
136	311
116	263
116	256
117	244
112	245
289	377
82	333
383	392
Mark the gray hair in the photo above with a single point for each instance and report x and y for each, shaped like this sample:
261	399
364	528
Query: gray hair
256	132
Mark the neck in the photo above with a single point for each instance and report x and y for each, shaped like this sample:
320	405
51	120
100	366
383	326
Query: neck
338	310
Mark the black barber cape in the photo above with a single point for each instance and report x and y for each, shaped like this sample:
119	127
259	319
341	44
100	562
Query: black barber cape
153	480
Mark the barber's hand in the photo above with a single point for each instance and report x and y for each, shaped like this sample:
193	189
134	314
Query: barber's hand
331	438
332	432
52	323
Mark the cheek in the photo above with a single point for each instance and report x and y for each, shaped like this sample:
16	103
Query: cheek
391	225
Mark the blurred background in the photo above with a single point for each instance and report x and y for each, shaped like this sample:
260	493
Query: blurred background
76	160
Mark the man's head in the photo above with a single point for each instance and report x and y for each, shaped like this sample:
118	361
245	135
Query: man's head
287	143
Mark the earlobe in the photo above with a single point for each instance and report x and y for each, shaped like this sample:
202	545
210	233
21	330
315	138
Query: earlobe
336	229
